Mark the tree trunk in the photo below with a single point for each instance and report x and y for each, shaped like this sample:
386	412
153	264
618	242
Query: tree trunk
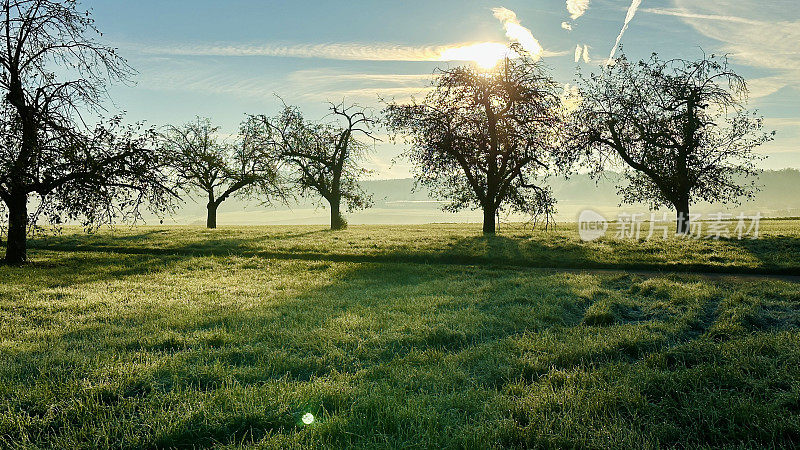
337	221
489	216
211	220
682	222
16	248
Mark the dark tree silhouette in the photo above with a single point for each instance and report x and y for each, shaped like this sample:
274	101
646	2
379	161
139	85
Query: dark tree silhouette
323	158
680	127
52	68
484	138
202	161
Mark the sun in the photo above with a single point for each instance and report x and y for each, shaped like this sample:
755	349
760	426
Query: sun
485	54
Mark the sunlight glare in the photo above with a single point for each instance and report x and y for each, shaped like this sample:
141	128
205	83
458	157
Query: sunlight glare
485	54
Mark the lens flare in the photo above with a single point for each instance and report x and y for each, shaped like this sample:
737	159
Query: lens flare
308	418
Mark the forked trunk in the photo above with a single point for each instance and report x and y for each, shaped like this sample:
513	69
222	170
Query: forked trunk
16	247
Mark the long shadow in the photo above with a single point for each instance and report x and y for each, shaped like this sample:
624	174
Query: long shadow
498	251
73	268
772	251
373	324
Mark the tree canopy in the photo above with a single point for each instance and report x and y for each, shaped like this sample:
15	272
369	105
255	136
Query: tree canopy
52	71
202	161
679	127
487	139
322	158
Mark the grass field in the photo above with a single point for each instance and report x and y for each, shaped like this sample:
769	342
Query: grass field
415	336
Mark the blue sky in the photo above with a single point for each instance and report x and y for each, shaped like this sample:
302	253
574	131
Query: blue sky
223	59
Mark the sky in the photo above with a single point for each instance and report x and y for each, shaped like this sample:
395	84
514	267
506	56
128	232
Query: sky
224	59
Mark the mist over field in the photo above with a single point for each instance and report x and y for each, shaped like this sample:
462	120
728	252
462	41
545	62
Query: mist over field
398	202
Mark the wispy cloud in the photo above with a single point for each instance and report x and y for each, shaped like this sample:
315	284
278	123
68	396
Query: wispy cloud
333	51
316	85
688	15
762	35
516	32
577	8
340	51
327	84
754	34
628	17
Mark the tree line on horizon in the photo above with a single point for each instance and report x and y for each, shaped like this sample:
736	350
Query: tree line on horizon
487	139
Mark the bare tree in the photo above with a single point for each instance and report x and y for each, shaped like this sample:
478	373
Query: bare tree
486	138
323	157
202	161
679	127
52	68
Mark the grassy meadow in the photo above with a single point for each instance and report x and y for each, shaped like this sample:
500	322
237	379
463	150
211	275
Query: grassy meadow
427	336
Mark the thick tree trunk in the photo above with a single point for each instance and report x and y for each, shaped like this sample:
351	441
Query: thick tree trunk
211	220
16	246
682	225
489	216
337	221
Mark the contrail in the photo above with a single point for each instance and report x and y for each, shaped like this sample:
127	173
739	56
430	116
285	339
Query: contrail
628	17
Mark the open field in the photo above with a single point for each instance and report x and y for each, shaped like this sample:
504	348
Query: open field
414	336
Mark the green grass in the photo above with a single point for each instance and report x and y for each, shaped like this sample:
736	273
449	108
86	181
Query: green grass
777	252
429	336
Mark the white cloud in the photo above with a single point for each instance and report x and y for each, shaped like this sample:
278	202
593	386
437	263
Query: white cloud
566	26
577	8
516	32
582	53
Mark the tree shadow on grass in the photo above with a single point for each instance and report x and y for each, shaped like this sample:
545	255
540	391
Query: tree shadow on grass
358	324
74	268
779	255
773	251
410	331
459	320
